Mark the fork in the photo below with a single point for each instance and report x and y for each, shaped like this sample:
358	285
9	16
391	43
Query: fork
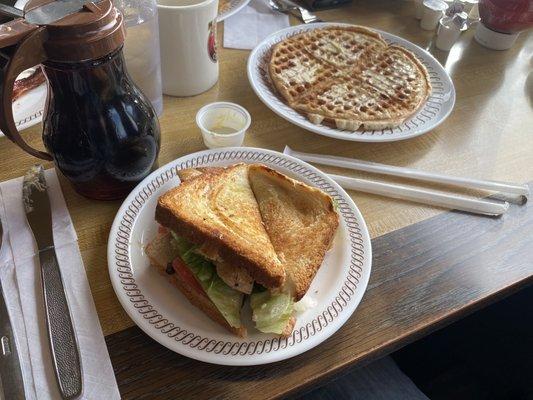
290	8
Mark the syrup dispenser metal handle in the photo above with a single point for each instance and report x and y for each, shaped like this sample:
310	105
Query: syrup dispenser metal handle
21	47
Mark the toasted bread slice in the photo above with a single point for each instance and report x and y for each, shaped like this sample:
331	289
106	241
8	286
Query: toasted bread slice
219	208
161	254
300	220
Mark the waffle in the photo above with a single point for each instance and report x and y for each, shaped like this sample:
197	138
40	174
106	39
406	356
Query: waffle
349	78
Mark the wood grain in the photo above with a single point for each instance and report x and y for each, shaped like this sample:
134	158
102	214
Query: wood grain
488	135
423	276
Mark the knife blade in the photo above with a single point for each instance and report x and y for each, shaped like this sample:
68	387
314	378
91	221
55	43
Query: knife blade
10	369
61	336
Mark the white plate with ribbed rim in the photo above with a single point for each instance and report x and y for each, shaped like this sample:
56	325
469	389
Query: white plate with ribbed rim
436	109
233	7
163	312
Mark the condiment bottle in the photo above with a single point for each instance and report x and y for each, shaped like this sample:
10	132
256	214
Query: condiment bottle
99	129
502	21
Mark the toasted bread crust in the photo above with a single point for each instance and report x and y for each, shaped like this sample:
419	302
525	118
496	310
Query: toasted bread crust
157	250
267	271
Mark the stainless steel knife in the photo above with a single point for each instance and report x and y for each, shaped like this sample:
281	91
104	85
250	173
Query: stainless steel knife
10	369
62	339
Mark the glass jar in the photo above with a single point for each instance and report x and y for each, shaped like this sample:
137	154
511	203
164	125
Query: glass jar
141	47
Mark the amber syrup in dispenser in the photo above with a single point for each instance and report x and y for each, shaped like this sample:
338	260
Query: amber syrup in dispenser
98	127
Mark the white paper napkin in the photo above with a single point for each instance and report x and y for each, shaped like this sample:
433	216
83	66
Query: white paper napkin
252	24
20	275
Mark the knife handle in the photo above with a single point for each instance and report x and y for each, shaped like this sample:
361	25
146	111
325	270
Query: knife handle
65	352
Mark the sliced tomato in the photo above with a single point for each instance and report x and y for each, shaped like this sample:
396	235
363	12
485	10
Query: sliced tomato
186	276
162	230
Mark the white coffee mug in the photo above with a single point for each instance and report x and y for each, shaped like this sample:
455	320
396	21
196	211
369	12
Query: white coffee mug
187	35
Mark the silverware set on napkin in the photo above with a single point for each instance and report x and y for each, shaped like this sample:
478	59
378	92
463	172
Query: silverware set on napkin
60	330
288	7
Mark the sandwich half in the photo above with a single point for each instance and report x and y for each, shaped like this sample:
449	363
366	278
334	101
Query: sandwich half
243	232
218	211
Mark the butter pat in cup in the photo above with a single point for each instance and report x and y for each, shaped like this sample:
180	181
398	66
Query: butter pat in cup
223	124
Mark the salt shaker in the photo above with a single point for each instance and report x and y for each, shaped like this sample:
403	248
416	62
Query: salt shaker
433	12
449	31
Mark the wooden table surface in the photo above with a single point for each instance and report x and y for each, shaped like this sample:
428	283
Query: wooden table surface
430	265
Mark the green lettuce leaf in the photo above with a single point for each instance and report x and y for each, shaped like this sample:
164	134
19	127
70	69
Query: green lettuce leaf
271	312
181	244
226	299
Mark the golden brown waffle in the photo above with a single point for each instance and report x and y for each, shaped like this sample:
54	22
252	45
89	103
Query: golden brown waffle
349	78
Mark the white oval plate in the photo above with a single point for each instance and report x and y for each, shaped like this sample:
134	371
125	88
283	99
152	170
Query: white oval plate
437	108
163	313
234	7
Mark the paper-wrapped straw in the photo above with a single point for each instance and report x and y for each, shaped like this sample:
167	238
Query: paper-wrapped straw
424	196
410	173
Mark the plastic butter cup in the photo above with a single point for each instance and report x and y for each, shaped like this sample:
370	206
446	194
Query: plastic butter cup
223	124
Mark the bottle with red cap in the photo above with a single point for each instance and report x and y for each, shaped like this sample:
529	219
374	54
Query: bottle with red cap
502	21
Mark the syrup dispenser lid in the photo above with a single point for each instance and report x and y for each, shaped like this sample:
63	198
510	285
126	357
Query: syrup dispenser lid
91	33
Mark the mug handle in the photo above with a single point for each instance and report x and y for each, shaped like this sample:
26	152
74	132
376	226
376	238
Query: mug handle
21	47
